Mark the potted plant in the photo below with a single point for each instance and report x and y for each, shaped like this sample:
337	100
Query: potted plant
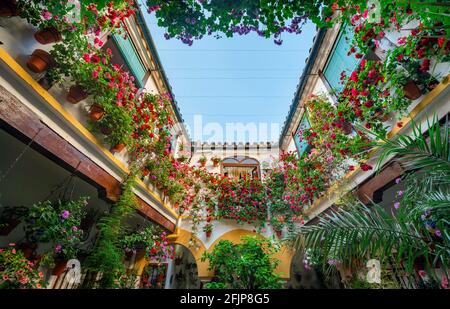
57	223
202	161
96	112
48	35
76	94
40	60
215	161
16	271
208	229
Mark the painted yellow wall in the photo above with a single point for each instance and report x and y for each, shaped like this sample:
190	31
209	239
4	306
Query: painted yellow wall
285	255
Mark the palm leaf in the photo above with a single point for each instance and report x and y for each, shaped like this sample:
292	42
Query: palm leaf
361	233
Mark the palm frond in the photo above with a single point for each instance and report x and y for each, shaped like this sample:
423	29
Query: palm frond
361	233
419	151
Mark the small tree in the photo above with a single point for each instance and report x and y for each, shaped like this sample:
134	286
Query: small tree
248	265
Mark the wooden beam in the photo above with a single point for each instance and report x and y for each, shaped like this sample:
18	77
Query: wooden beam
20	121
366	191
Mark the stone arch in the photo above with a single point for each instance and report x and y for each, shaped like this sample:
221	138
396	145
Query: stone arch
285	254
183	237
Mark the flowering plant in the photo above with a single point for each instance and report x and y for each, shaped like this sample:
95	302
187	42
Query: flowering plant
70	15
202	160
243	200
160	250
366	97
16	271
58	223
153	240
215	161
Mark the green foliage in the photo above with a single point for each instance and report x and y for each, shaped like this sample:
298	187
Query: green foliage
16	271
58	223
248	265
107	255
418	228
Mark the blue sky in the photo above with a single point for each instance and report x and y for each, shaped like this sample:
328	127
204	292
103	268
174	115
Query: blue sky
246	79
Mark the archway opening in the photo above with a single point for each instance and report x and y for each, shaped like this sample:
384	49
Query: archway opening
241	166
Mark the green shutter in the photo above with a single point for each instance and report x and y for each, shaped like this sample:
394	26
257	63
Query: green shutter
302	145
131	58
339	60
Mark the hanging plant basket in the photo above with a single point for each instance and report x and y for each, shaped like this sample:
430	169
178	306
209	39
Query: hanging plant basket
411	90
60	267
96	112
76	94
48	35
40	60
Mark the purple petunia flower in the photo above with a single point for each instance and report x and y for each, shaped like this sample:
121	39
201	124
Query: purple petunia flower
58	248
397	181
438	233
400	193
65	214
396	205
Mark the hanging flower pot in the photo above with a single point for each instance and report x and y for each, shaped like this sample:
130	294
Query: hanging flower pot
60	267
96	112
279	233
76	94
40	60
118	147
145	172
411	90
208	234
8	8
48	35
347	127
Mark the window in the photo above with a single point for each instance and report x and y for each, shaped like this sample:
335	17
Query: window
240	166
131	58
302	145
339	61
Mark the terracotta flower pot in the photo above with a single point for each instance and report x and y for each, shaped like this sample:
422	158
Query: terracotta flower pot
96	113
60	267
145	172
347	127
48	35
118	147
208	234
76	94
279	233
8	8
202	164
40	60
411	90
